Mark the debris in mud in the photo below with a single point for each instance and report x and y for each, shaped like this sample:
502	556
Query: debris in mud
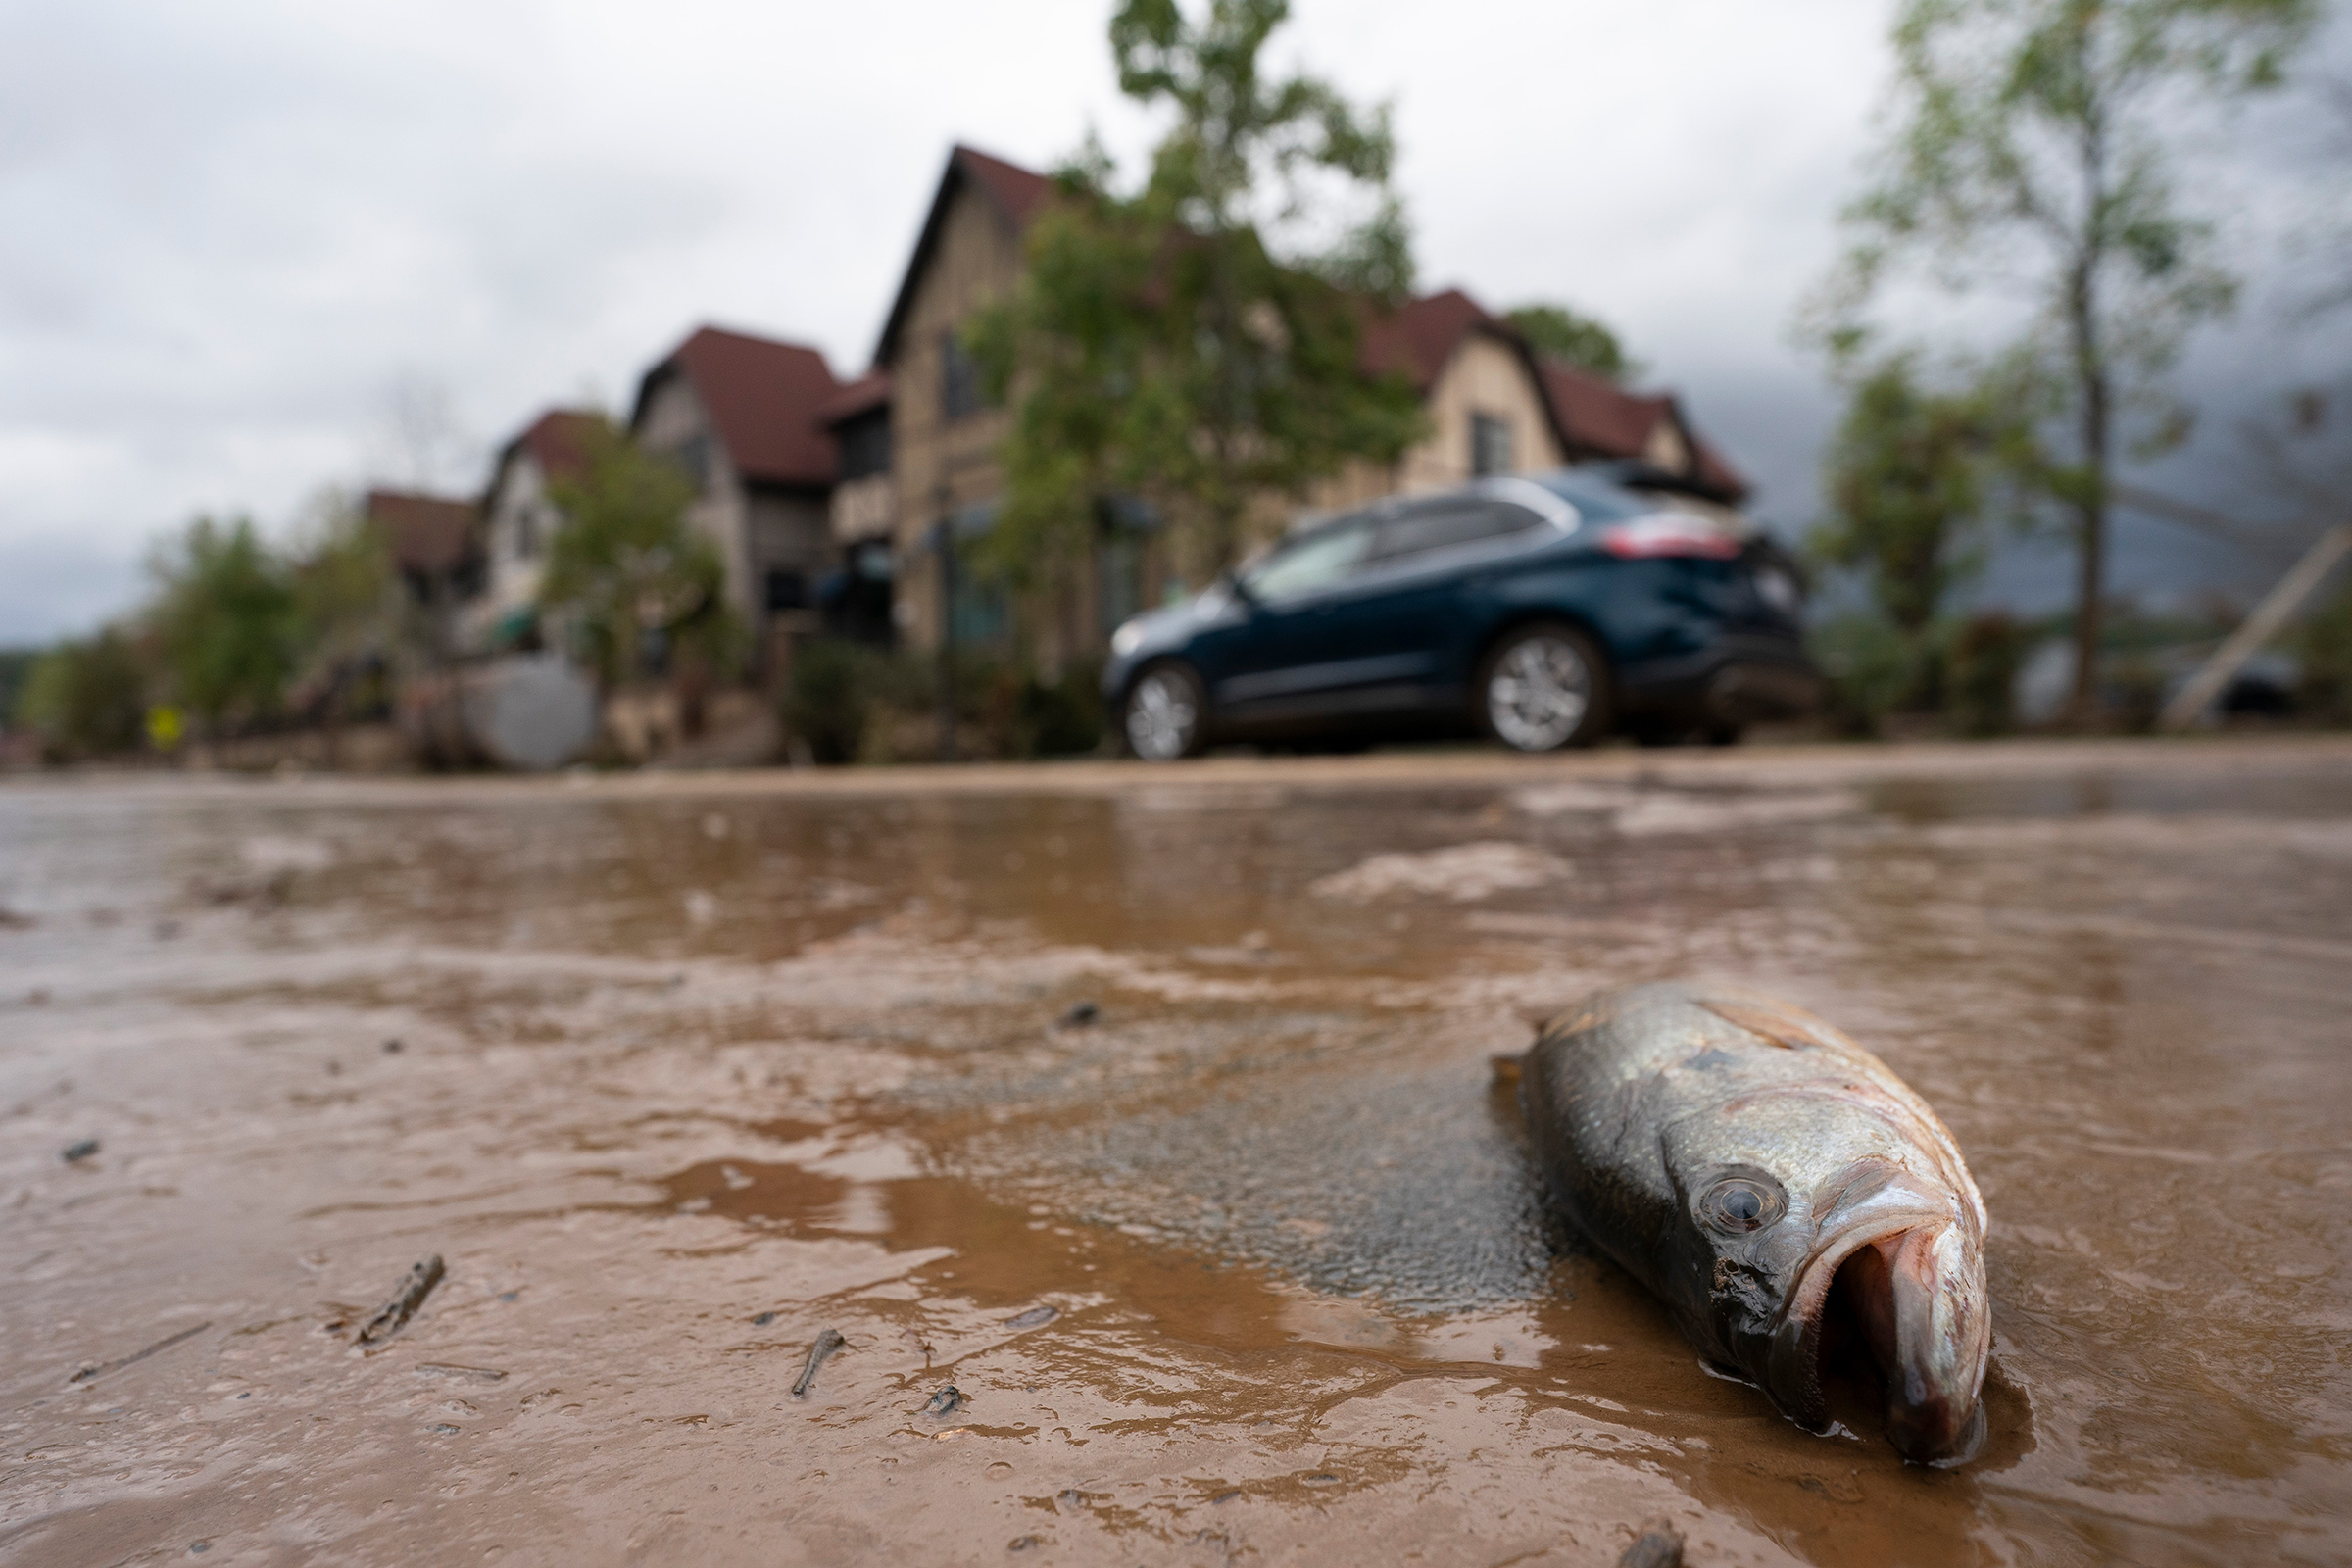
826	1344
1463	873
1080	1015
262	894
1660	1547
393	1314
469	1374
87	1373
393	1047
1037	1317
1024	1543
75	1153
760	1320
946	1401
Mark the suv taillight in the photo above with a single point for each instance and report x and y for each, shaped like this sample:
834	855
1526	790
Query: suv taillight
1665	533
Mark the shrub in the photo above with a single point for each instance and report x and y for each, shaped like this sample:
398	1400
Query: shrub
1979	673
2323	647
1872	667
86	699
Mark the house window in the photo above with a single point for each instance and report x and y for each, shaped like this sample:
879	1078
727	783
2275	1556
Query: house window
695	458
526	533
1490	445
958	378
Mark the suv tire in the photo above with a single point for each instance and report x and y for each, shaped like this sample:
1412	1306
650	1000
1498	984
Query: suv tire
1541	688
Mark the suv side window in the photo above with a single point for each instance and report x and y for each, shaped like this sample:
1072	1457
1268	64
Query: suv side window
1447	524
1314	562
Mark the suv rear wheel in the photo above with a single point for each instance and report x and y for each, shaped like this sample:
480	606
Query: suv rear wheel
1544	687
1164	715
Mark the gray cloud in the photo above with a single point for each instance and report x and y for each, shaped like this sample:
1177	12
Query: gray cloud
229	235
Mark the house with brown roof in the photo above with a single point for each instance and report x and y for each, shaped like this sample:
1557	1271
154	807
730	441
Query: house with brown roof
520	520
743	415
1494	406
435	547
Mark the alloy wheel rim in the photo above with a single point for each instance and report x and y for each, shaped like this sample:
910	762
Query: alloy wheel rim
1161	719
1538	694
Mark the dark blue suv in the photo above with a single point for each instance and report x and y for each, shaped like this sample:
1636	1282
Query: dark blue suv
1547	611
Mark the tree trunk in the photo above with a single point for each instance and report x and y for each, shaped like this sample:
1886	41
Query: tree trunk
2091	523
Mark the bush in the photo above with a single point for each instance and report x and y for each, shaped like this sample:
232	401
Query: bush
848	703
1873	670
1981	662
86	699
829	697
2323	647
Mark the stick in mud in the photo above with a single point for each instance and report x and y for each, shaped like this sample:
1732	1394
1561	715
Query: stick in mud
404	1304
1660	1547
122	1361
826	1344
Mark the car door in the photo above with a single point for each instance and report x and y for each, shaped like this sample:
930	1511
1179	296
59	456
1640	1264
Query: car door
1414	606
1275	656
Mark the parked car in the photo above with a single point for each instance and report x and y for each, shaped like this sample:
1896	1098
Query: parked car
1547	611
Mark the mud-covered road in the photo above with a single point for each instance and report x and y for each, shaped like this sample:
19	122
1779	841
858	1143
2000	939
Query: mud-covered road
1150	1111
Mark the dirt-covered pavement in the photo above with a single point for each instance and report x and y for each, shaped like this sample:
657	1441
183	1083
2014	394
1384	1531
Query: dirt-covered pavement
1150	1113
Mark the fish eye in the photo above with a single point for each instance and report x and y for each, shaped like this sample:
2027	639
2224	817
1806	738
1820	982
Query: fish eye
1738	1205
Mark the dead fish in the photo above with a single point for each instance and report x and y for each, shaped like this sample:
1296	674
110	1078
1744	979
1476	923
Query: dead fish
826	1344
1750	1164
946	1401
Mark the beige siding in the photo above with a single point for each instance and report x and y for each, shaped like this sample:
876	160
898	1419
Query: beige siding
939	464
1484	376
673	417
520	532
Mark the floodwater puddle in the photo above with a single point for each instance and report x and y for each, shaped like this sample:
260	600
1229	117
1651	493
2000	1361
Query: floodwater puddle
1142	1145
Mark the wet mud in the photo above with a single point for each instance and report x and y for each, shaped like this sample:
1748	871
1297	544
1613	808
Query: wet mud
1136	1135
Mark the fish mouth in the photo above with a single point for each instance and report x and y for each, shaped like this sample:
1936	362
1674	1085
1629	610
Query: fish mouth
1913	1280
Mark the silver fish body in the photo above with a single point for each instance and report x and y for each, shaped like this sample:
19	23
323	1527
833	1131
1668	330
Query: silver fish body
1740	1158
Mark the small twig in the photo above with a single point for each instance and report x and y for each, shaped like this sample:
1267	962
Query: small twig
826	1344
404	1304
120	1362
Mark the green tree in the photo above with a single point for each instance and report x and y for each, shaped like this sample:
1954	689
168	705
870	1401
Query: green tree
2029	149
86	698
1198	343
626	563
226	622
1579	339
1907	489
348	602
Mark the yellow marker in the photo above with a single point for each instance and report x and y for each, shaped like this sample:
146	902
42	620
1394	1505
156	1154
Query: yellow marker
164	727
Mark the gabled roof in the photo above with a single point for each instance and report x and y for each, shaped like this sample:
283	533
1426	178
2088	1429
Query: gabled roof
557	439
1591	416
762	397
1417	338
1018	194
428	534
867	393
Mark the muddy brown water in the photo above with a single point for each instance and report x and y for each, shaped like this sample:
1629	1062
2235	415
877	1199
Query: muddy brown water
1249	1268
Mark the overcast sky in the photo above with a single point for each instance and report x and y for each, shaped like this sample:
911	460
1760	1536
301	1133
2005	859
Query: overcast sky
236	239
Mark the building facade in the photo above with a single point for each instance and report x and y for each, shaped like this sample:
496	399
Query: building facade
519	522
1492	405
741	416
